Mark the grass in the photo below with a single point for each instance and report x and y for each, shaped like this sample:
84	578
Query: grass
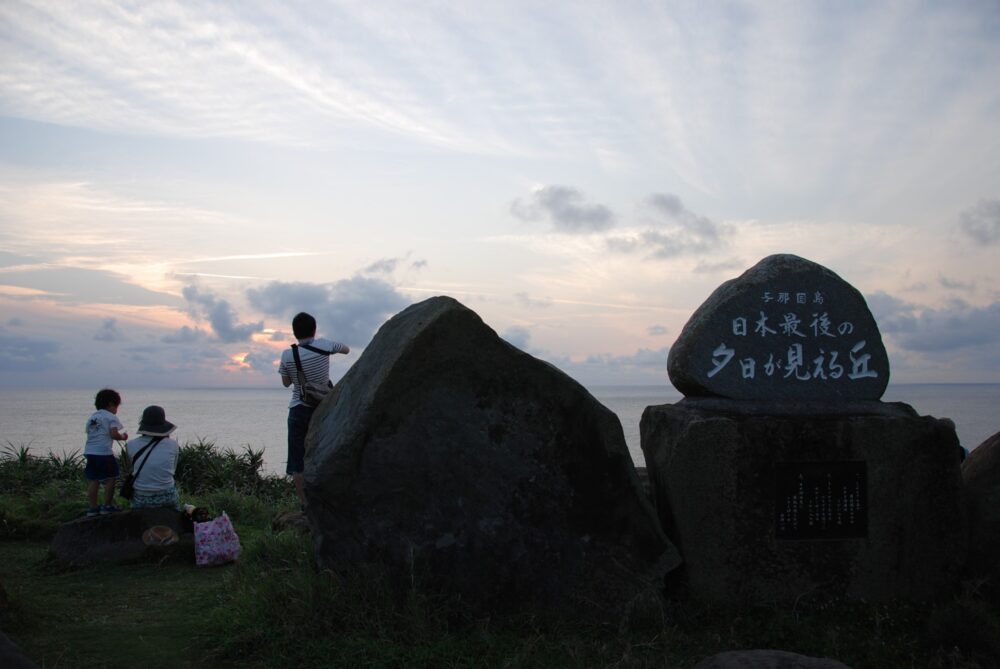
274	608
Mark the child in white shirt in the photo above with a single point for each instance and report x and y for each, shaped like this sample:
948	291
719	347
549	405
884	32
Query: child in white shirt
102	428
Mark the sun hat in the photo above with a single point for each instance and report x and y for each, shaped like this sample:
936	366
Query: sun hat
154	422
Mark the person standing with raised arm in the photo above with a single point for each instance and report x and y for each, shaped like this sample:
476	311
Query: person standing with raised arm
313	355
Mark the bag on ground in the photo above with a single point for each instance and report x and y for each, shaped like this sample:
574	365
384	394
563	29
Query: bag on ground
215	542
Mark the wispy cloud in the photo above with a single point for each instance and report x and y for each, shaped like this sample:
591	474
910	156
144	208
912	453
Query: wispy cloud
263	72
982	222
673	231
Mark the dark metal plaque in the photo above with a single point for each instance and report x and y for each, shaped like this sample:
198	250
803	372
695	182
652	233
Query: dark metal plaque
820	500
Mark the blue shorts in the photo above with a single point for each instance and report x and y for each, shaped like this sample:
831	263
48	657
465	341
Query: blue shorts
298	426
101	467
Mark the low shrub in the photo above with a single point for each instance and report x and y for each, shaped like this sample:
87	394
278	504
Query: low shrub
202	468
21	471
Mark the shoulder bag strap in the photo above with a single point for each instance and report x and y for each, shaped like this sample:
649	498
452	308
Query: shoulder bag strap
315	350
298	366
151	445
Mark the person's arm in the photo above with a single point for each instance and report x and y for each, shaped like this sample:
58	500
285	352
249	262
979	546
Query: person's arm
286	380
119	435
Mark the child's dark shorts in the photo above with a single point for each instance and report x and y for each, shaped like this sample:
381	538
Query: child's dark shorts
101	467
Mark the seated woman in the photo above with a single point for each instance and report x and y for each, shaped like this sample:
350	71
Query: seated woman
154	483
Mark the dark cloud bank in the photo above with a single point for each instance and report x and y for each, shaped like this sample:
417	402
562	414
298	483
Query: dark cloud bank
350	310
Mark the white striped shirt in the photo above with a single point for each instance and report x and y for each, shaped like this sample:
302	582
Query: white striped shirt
315	366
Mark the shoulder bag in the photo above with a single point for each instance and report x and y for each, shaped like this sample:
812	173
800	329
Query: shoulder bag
311	392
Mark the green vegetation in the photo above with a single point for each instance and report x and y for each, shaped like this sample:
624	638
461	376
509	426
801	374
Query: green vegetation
275	609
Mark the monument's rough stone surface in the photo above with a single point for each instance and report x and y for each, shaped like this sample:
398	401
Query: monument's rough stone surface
453	459
788	328
117	537
768	501
981	475
767	659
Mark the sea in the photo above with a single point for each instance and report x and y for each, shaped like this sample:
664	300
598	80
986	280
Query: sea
52	421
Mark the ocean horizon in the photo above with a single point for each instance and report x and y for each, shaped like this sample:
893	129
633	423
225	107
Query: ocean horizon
51	421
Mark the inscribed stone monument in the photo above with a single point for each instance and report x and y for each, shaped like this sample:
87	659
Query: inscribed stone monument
780	473
786	329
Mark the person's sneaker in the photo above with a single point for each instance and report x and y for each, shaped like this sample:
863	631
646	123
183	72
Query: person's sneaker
93	511
109	508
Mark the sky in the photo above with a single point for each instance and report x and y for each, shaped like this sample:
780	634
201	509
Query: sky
177	180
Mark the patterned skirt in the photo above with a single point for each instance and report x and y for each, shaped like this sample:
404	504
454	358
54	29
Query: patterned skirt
146	500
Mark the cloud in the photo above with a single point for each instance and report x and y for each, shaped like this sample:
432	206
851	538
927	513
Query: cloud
220	315
109	331
657	330
349	310
74	284
388	266
952	328
673	231
23	354
384	266
982	222
954	284
716	267
565	209
184	335
642	358
16	322
518	336
8	259
526	300
261	362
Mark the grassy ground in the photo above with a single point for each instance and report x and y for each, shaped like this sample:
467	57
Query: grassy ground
275	609
140	615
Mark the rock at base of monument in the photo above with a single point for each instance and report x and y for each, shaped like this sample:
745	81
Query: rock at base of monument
768	508
467	468
981	477
119	538
767	659
787	328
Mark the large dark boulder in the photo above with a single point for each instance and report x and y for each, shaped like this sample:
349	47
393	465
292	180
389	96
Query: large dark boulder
118	538
981	476
464	465
787	328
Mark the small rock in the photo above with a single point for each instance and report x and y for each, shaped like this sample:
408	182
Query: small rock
118	537
767	659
